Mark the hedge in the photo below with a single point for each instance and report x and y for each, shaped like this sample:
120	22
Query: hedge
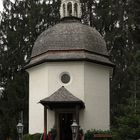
36	136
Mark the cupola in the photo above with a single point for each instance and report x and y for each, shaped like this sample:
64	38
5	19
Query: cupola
70	8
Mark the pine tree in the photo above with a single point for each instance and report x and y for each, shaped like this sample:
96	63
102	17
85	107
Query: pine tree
117	21
129	123
21	23
119	24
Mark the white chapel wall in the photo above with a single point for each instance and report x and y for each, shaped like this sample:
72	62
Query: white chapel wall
89	82
45	80
97	112
38	87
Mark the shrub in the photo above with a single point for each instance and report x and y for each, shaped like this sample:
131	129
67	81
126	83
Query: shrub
32	137
89	135
36	136
27	137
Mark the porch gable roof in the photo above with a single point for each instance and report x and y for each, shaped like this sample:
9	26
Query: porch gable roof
62	97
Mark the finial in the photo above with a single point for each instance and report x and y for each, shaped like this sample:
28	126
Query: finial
70	8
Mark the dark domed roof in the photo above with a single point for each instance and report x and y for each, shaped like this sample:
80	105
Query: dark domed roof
69	40
72	35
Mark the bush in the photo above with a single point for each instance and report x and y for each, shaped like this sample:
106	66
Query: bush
36	136
27	137
89	135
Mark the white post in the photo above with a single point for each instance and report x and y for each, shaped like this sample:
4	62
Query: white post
79	10
66	14
72	8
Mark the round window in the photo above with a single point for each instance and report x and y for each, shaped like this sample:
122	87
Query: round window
65	78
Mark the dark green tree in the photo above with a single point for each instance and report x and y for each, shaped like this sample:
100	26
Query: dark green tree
128	124
119	23
21	23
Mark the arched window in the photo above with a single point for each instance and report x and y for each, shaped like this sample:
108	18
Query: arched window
69	7
76	9
64	10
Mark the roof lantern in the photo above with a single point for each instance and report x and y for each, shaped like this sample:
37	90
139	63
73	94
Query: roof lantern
70	8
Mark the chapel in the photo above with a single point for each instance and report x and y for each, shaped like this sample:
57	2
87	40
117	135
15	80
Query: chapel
69	76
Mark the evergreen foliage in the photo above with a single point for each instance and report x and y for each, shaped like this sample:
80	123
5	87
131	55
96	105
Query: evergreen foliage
21	23
36	136
119	23
89	135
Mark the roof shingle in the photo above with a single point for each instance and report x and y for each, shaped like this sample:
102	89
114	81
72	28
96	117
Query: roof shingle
62	95
70	40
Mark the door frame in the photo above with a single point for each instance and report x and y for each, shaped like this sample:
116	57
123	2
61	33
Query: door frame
73	111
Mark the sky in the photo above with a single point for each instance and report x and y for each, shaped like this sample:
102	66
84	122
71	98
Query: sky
1	1
1	7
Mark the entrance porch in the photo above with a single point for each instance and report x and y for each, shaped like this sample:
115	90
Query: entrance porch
66	108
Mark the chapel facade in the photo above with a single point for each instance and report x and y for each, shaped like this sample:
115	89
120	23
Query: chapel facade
69	76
